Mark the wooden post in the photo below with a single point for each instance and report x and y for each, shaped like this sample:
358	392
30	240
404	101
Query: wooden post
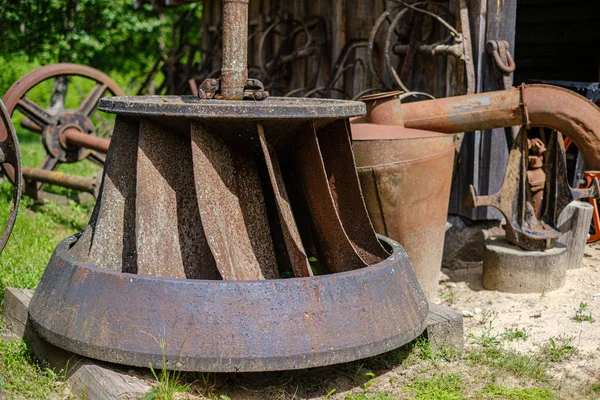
574	223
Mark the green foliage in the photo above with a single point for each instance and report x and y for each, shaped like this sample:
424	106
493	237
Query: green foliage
34	238
519	365
168	382
494	391
107	34
441	387
558	349
515	334
596	387
21	376
583	314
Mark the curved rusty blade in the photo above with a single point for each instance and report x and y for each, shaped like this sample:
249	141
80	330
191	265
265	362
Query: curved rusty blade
170	238
232	208
291	236
338	250
10	155
338	159
109	241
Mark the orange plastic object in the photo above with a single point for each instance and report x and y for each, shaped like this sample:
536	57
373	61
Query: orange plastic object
595	232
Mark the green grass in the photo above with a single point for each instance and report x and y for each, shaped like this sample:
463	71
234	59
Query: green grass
558	349
441	387
519	365
495	391
583	314
168	382
21	376
512	334
375	396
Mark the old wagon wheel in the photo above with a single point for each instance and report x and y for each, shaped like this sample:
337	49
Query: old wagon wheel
10	158
70	128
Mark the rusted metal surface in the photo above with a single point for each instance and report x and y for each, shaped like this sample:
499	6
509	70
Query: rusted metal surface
539	105
68	136
293	242
75	137
183	244
228	326
58	178
536	178
383	109
10	159
232	208
405	176
515	201
234	69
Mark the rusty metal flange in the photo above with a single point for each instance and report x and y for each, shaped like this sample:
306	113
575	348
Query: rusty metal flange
229	326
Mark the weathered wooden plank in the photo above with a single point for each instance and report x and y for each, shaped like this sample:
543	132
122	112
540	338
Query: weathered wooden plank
574	224
444	328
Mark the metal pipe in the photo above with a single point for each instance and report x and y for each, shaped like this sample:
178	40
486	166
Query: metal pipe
455	50
234	70
93	142
57	178
539	105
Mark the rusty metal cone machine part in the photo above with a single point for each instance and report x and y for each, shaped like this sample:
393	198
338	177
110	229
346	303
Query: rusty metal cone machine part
405	176
205	207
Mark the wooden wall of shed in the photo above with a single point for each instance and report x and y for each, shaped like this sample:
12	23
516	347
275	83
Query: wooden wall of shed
347	21
483	155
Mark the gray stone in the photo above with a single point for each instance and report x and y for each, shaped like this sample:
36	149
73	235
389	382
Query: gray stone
508	268
464	243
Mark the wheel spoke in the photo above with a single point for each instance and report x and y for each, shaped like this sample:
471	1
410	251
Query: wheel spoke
35	113
89	104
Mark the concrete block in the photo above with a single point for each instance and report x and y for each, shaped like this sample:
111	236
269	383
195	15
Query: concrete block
508	268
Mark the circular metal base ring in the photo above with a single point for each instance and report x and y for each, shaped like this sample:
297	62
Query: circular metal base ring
229	326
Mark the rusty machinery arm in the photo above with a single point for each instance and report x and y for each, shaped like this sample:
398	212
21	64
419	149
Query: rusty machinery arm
539	105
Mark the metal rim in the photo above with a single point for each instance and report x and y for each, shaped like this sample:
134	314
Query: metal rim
269	109
278	324
12	157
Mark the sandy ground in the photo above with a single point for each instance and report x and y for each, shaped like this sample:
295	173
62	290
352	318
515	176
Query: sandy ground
543	315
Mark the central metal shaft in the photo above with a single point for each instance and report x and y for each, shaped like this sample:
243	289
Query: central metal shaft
234	70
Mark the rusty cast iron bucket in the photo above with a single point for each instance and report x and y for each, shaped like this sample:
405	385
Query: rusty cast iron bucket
405	176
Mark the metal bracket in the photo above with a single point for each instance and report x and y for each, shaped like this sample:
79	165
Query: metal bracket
523	227
253	90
